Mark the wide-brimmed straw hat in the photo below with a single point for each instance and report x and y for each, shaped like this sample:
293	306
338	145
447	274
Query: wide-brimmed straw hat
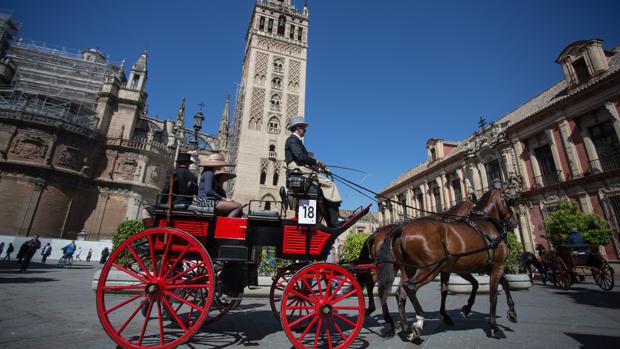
222	175
215	160
294	121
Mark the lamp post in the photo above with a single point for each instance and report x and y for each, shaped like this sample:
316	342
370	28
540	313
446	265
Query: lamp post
198	119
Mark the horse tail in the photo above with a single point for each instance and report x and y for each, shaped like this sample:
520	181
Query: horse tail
386	260
364	256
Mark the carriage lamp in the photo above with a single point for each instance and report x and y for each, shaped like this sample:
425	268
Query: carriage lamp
198	119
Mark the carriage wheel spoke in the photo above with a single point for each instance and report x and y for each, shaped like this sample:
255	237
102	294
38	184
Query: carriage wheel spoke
152	253
302	307
188	286
348	307
330	278
344	338
349	294
184	272
161	323
303	335
340	285
318	333
130	272
317	276
298	294
180	257
146	321
329	335
305	282
300	320
124	287
132	316
139	260
344	319
165	256
125	302
170	294
174	314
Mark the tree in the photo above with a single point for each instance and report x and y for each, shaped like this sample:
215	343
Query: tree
353	245
593	228
514	250
124	231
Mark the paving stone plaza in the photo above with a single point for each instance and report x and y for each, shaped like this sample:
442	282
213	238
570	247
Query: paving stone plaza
48	307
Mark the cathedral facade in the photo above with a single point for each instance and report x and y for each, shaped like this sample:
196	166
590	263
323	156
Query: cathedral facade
272	89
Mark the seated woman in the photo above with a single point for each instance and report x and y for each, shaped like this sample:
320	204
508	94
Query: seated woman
211	186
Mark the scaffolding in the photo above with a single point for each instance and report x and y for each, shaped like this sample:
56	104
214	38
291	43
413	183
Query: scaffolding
60	74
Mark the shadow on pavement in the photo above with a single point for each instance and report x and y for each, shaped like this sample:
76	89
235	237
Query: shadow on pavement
8	265
596	298
24	280
592	341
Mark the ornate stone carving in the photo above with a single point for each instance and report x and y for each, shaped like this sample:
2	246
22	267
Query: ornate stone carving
128	167
258	102
71	157
292	105
6	133
294	72
279	46
30	145
261	63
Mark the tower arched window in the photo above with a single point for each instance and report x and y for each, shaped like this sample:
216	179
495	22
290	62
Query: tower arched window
261	23
278	65
276	83
300	33
270	25
275	102
281	25
291	32
255	123
276	177
263	176
274	125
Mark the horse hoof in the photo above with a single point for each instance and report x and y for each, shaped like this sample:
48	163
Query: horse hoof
498	333
448	321
406	328
387	332
417	340
465	311
512	316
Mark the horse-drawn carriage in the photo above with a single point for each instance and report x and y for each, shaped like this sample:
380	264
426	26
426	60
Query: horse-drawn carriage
567	263
192	266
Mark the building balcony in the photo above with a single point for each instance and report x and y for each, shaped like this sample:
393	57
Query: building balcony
274	130
547	179
606	164
276	107
139	144
272	155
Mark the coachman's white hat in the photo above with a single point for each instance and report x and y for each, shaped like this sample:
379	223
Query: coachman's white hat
294	121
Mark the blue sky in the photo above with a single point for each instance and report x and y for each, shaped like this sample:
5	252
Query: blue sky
383	76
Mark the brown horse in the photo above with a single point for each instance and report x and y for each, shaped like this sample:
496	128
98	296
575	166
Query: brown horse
426	247
370	251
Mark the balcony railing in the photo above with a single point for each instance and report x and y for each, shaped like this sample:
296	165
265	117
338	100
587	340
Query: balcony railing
139	144
606	163
273	155
550	178
274	129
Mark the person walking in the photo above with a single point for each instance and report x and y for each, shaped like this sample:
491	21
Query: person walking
9	250
79	253
1	247
104	255
46	252
31	248
20	253
90	254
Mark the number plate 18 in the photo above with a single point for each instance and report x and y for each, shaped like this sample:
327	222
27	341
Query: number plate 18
307	212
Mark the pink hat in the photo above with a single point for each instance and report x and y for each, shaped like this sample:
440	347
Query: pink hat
215	160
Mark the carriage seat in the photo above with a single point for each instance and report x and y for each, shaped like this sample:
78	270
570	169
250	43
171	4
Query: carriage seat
201	209
164	206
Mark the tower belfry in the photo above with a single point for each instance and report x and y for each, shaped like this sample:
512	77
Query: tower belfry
272	89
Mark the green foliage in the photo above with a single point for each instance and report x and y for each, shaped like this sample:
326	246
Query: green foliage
353	245
514	250
269	263
593	228
124	231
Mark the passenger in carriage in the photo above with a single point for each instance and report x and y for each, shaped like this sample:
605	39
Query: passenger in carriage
185	182
211	186
296	157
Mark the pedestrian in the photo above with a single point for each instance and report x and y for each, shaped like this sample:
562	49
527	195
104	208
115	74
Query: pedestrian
20	253
46	252
90	254
67	252
104	255
9	250
79	252
31	248
1	247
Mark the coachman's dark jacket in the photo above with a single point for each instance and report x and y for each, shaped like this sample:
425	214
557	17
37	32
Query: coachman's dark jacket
294	150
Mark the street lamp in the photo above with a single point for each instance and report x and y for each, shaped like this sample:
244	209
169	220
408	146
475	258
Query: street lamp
198	119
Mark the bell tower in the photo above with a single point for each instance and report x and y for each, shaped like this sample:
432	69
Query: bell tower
272	89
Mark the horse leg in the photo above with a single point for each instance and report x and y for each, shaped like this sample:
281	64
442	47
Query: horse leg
411	288
472	296
496	275
512	314
388	329
365	279
401	300
444	293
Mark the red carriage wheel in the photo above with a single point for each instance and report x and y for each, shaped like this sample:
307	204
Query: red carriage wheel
604	276
333	309
278	285
562	274
168	275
